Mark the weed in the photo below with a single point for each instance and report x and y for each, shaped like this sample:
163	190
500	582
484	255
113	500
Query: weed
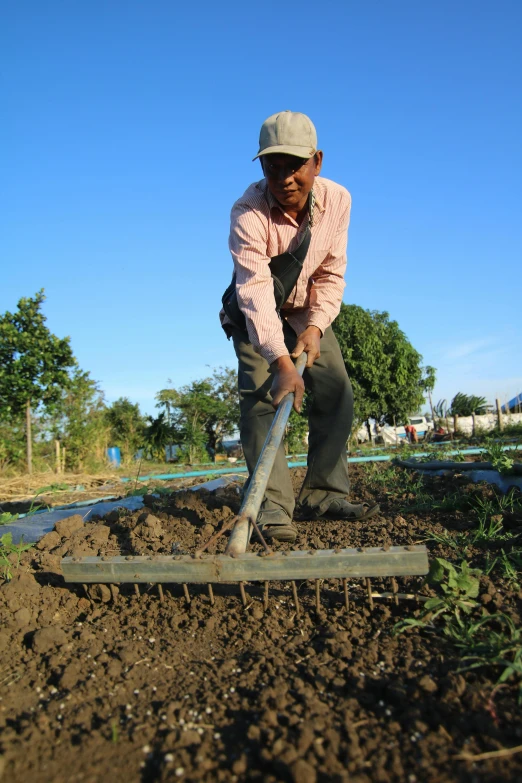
7	548
490	529
493	640
459	586
459	542
509	565
6	518
53	489
456	501
499	458
489	512
115	732
400	480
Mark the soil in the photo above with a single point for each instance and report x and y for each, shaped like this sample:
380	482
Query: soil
102	684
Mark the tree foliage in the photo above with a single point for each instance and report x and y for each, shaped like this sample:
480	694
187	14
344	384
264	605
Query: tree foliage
126	426
203	411
467	405
34	363
295	433
78	420
385	369
158	434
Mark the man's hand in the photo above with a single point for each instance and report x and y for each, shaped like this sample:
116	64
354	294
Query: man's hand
309	341
286	380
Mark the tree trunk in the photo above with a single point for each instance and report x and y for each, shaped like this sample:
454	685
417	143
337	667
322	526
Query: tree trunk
432	411
455	425
29	437
499	415
58	460
474	428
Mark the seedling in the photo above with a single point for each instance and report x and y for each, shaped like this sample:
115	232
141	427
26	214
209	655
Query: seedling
459	585
7	548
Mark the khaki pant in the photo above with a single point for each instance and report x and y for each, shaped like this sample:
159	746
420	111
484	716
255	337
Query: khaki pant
330	422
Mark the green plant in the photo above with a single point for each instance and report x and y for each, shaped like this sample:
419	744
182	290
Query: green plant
500	460
489	512
459	586
459	542
394	479
493	640
386	371
34	364
7	548
467	404
509	564
6	518
490	529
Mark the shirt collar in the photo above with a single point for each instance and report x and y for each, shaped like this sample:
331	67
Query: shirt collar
319	191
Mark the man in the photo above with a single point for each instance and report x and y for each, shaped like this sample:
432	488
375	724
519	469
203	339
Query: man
291	207
411	433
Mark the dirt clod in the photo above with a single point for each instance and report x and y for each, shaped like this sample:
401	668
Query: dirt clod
303	772
47	639
66	527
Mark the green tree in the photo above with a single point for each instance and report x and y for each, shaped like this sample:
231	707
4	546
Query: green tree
157	435
295	433
467	405
127	426
202	412
78	421
385	369
34	364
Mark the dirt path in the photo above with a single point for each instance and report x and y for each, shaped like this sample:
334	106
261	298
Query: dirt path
101	686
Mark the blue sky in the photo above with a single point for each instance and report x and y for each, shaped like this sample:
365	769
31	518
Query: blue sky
129	129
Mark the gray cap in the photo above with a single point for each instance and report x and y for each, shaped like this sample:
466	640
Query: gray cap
288	133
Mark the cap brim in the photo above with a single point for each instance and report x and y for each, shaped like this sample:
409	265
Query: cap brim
285	149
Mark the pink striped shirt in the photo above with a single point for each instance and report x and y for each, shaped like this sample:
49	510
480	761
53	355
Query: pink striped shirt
259	230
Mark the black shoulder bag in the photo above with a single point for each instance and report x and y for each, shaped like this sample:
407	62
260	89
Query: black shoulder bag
285	269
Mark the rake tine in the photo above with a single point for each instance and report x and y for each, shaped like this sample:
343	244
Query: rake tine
296	600
137	590
395	591
210	594
265	597
243	594
317	596
160	592
346	598
186	593
369	591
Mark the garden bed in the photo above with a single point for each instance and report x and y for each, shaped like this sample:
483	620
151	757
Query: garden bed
102	684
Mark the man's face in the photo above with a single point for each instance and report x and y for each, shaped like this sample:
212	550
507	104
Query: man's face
291	179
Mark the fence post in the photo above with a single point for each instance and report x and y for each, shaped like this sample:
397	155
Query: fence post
499	415
58	460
